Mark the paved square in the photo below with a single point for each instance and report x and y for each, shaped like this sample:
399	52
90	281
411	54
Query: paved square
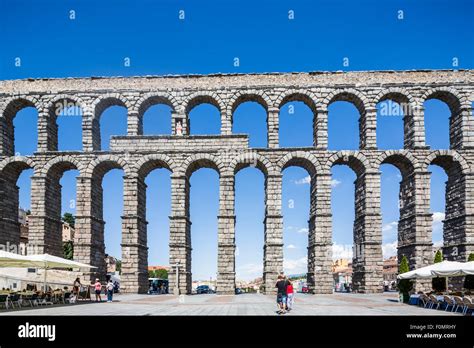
245	304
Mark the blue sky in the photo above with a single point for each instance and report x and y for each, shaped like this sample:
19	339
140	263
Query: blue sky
48	43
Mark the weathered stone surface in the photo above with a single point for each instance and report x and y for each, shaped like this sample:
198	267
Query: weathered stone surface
137	155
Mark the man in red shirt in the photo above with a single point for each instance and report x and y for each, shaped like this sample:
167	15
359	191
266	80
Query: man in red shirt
290	295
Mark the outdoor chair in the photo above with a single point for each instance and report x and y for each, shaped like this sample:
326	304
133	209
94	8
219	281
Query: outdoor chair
4	301
423	300
458	303
468	305
448	302
15	299
434	302
66	297
34	299
44	299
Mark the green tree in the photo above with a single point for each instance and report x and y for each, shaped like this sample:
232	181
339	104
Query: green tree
68	250
161	273
158	273
438	284
404	285
69	218
118	266
469	280
438	257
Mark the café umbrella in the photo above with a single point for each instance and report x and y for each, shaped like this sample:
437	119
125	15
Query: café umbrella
446	268
44	261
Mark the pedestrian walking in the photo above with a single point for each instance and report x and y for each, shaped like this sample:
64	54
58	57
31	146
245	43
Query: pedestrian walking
290	295
281	285
110	290
98	290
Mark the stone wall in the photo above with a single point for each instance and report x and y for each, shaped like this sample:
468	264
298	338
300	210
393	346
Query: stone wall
137	155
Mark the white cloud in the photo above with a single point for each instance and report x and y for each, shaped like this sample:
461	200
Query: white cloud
391	226
304	181
295	266
249	271
438	244
438	217
303	230
291	246
389	249
307	180
335	183
237	251
340	251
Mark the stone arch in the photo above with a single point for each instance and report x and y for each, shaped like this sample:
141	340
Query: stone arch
148	163
152	98
252	159
301	159
402	160
61	164
103	163
447	159
202	160
355	160
359	99
255	95
13	166
367	134
7	113
14	104
204	97
397	94
457	103
309	98
102	102
77	101
10	171
449	95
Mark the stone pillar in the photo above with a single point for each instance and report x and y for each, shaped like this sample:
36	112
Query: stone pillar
461	129
226	237
182	117
415	224
90	132
414	128
9	225
226	123
273	127
134	123
367	264
134	277
180	235
320	130
45	226
458	227
47	131
367	129
319	277
89	246
273	248
6	136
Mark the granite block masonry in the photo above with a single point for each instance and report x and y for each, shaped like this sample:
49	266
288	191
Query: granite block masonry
182	154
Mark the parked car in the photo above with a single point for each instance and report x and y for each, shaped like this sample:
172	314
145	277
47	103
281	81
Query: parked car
238	291
304	289
203	289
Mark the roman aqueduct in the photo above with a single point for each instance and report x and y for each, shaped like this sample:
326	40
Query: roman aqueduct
137	154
